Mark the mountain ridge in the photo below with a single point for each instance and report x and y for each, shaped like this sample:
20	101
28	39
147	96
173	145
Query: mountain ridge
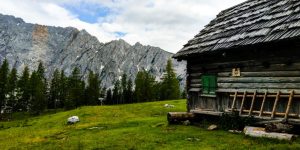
64	48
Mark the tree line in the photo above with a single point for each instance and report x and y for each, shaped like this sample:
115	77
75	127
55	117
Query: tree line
146	88
32	92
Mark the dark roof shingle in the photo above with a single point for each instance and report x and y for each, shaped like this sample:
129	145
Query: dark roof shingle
251	22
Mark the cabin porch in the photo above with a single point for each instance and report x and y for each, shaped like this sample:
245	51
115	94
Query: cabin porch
264	105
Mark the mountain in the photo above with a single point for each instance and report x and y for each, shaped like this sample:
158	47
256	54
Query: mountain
64	48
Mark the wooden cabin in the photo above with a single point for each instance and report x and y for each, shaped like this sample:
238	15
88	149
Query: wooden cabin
247	60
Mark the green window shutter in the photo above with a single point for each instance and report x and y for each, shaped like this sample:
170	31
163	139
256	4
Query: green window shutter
212	84
209	84
205	84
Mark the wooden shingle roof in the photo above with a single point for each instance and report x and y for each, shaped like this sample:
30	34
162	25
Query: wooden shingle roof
249	23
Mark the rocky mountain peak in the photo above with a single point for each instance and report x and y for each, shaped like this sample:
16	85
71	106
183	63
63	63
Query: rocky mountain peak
64	48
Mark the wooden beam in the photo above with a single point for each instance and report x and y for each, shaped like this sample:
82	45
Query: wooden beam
243	101
275	105
269	96
250	89
264	74
195	85
259	85
252	103
234	100
263	104
196	75
289	105
283	79
196	81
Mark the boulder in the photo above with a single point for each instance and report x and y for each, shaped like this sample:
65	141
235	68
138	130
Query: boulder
73	119
212	127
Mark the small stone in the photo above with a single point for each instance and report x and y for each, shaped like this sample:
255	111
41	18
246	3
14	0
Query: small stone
212	127
186	123
73	119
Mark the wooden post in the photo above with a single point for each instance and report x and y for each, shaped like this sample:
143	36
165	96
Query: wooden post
234	100
263	104
289	105
252	103
243	101
275	105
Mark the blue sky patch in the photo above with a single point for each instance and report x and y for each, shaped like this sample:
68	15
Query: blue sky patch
120	34
88	12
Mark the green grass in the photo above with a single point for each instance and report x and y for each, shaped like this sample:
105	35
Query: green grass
134	126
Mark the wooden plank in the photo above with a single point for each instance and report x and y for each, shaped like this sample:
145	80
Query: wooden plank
249	67
196	81
196	75
234	100
258	79
195	85
269	113
269	96
264	74
243	101
195	90
289	105
275	105
270	90
263	104
252	103
259	85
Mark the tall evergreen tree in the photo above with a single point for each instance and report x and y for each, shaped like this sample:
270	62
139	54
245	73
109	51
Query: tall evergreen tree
55	91
24	90
123	91
144	87
108	99
37	94
93	89
4	70
170	84
12	89
76	90
63	87
116	93
129	91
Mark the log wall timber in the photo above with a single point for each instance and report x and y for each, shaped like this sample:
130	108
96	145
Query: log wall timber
266	76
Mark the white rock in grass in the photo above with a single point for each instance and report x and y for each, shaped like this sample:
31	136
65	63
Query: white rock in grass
73	119
169	106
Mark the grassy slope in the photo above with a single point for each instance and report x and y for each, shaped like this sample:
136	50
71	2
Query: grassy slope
135	126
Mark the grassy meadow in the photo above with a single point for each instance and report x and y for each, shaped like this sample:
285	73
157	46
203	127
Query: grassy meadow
132	126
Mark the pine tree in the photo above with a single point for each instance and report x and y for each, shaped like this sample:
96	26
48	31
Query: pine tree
37	94
144	87
170	84
76	90
4	70
123	91
108	99
116	93
129	93
12	89
63	87
24	90
93	89
55	91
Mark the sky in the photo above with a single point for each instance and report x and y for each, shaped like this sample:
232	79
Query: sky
167	24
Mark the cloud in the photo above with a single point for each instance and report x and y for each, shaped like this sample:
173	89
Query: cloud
163	23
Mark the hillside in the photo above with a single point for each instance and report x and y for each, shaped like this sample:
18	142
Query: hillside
134	126
64	48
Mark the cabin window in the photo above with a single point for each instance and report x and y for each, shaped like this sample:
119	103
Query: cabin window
209	84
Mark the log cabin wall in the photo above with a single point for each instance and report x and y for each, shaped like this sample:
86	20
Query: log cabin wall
270	72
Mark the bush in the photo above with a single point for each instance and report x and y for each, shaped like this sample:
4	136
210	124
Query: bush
233	121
